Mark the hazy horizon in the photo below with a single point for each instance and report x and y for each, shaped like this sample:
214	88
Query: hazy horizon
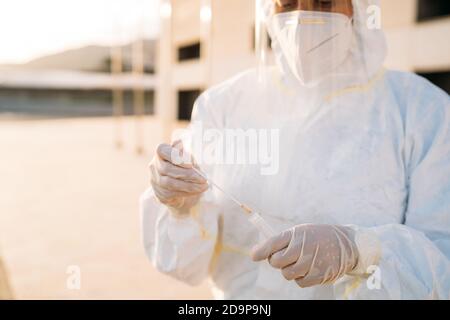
49	27
65	50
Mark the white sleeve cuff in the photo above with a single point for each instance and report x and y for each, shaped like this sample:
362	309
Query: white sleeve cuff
369	250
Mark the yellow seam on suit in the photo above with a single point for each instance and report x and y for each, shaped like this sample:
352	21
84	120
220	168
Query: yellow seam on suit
233	249
205	235
357	88
337	93
195	214
352	287
281	86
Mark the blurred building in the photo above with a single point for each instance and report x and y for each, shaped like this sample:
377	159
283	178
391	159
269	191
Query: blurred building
418	33
204	42
76	83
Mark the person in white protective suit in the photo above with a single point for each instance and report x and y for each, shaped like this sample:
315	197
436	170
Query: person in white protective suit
360	198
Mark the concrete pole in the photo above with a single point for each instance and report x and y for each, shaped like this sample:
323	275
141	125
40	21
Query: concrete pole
165	108
5	289
261	39
206	34
138	88
116	62
118	103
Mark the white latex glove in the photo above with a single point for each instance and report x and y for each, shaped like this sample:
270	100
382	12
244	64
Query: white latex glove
311	254
175	184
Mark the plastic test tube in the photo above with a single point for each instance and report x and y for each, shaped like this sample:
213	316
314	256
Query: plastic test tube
253	217
263	227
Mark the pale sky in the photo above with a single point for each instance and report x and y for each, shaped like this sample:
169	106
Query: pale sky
32	28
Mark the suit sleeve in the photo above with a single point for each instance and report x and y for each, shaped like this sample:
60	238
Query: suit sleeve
182	246
413	258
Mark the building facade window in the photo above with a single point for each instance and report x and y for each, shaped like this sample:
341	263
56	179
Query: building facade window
66	103
186	100
429	9
189	52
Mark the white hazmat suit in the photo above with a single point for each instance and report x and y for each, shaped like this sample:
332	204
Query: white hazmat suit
370	151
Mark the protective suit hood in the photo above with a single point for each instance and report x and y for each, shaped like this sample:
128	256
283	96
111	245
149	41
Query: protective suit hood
367	53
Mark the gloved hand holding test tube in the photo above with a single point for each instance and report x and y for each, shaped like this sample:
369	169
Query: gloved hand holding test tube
253	217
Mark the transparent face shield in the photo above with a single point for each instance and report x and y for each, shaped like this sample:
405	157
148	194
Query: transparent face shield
335	6
312	40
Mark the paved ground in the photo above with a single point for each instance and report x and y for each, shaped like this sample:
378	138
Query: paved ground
68	197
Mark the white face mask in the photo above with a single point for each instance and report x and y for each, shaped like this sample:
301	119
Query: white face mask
312	44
